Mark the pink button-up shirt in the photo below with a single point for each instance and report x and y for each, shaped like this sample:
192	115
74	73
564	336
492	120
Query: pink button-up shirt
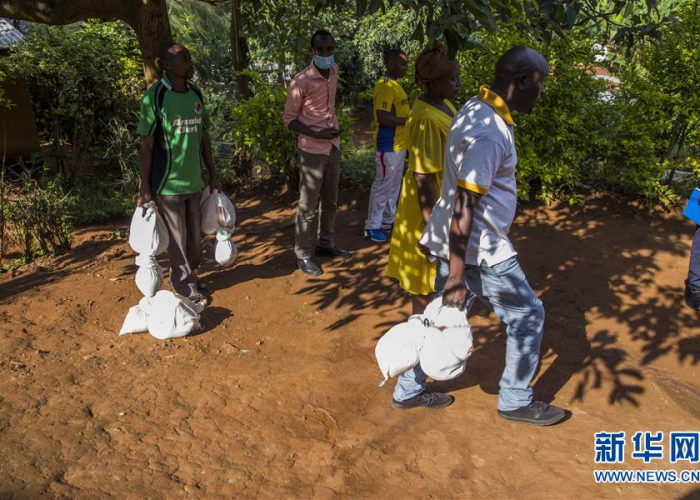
311	100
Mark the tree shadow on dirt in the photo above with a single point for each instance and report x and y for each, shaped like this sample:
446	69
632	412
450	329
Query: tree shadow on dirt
260	238
59	267
601	262
358	283
691	495
598	262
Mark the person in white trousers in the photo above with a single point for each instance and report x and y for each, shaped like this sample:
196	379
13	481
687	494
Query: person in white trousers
391	109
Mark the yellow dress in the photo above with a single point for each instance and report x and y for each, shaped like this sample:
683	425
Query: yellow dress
426	128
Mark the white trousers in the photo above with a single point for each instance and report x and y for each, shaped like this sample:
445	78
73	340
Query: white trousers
385	189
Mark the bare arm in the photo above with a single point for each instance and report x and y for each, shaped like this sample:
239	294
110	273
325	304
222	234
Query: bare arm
327	133
145	162
426	194
386	119
455	289
209	161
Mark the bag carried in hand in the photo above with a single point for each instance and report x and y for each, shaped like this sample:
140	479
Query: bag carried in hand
398	350
148	234
448	343
440	340
217	212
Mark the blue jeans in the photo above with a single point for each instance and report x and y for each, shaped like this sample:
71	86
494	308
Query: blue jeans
505	290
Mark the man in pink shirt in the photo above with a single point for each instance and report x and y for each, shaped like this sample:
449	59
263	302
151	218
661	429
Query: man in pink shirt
310	111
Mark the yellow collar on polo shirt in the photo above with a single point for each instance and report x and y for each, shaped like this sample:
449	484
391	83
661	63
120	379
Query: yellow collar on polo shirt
496	102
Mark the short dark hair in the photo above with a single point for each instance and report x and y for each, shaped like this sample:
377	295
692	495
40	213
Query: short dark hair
519	59
391	54
318	33
164	53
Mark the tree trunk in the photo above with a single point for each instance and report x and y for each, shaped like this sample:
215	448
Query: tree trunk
2	192
239	50
148	18
281	66
152	27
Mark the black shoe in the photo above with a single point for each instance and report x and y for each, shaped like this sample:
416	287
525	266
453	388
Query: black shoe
332	252
692	296
432	400
536	413
308	266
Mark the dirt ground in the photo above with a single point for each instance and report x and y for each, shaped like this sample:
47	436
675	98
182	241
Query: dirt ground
278	397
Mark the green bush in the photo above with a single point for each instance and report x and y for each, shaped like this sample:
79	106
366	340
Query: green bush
659	101
78	75
122	150
359	166
98	199
554	141
258	132
582	135
36	214
382	31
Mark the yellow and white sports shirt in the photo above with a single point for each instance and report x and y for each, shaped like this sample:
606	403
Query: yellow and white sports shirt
389	96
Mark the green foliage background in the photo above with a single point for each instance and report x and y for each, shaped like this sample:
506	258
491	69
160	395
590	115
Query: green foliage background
86	81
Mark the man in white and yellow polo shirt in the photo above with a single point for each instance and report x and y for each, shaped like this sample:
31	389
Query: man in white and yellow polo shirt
469	225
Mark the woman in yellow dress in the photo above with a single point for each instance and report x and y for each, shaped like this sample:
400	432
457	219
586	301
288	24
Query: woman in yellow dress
427	127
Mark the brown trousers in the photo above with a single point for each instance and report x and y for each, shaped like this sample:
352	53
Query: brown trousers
318	185
182	218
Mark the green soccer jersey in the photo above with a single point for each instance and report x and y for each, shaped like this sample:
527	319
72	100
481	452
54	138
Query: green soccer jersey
176	120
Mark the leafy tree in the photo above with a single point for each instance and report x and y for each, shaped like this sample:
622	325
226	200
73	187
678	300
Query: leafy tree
148	18
204	29
456	21
79	77
386	30
670	64
257	130
555	142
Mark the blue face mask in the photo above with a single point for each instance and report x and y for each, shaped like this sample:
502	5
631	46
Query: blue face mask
323	62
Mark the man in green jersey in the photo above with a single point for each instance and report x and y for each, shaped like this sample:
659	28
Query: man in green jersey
173	128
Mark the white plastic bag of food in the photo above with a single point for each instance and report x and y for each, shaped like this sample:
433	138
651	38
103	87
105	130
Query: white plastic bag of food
398	349
148	234
448	343
136	321
171	315
217	212
149	277
225	250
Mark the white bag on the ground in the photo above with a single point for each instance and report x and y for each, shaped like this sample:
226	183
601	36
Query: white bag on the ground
217	212
398	349
149	277
171	315
448	343
225	251
136	321
148	234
